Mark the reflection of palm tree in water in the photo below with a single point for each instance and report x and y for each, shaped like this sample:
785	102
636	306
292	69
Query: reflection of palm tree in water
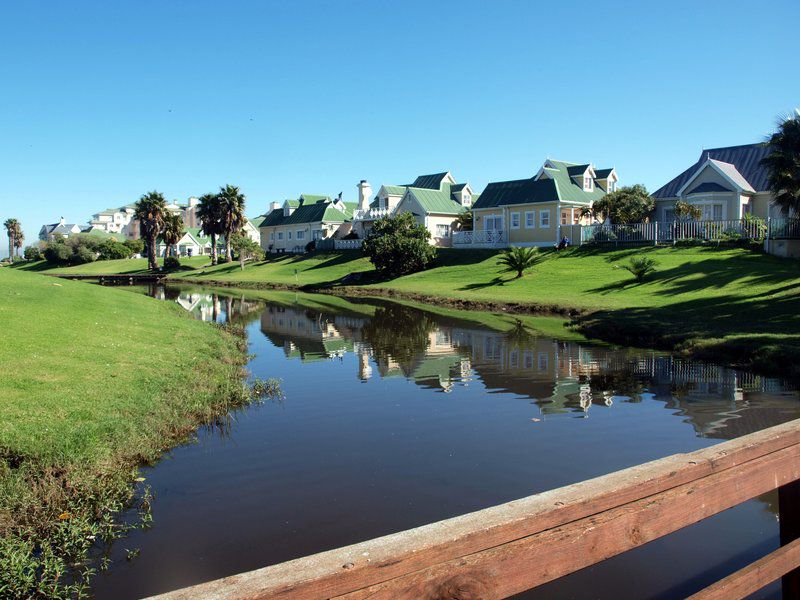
400	334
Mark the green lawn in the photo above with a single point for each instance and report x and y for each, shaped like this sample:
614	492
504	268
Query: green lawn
730	304
95	380
130	266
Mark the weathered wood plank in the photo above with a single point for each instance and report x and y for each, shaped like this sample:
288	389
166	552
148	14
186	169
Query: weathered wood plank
338	572
512	568
754	576
789	519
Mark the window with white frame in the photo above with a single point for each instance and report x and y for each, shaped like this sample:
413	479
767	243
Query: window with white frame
316	234
588	183
280	236
612	186
442	231
565	216
543	360
467	199
301	234
530	220
288	235
717	212
493	222
544	218
514	220
271	236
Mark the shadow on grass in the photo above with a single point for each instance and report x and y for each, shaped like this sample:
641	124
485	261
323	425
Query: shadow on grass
479	286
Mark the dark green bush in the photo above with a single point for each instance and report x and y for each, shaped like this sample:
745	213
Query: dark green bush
33	253
135	246
82	255
111	249
57	252
171	263
399	245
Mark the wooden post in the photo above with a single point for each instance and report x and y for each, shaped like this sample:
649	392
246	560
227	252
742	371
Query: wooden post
789	517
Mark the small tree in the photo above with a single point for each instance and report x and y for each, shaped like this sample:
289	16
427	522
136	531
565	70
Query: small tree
134	246
464	221
629	204
684	210
640	267
172	232
33	253
246	248
782	164
398	246
519	259
150	210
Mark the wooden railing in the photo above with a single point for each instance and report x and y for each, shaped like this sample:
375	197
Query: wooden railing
507	549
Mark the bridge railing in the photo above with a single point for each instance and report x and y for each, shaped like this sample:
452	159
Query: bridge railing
504	550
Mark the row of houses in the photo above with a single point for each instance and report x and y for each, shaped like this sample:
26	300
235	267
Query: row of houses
725	183
120	224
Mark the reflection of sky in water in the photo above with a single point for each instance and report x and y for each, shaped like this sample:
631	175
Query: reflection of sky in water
395	417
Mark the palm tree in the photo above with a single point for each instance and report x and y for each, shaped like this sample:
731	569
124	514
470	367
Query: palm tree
782	163
172	232
150	211
12	227
210	215
464	221
231	202
519	259
19	238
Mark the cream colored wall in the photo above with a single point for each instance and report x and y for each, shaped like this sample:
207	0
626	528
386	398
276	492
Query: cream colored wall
536	235
431	221
730	200
760	205
287	245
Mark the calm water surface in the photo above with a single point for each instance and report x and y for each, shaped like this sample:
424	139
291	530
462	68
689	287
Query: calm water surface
397	416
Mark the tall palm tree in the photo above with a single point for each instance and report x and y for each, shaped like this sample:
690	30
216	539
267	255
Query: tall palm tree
783	164
172	232
231	202
210	215
19	239
12	227
150	211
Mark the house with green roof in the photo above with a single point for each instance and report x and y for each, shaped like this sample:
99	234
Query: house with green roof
192	243
530	212
435	200
288	227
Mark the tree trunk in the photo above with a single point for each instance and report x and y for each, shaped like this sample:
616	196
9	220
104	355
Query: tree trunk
241	259
151	253
213	248
228	255
11	247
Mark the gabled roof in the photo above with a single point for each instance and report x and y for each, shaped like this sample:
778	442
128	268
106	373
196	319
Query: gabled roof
557	185
732	172
431	182
274	217
436	201
602	173
457	187
308	211
745	159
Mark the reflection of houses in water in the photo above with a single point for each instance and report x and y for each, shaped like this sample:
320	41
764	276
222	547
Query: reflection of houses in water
559	376
210	306
310	335
204	306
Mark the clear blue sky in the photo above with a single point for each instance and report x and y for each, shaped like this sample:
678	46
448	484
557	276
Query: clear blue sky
102	101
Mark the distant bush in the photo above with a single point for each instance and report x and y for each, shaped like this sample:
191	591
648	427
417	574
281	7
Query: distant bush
135	246
32	253
311	246
640	267
171	263
82	255
57	252
398	245
111	249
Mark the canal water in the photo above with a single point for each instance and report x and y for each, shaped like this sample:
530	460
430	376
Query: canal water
398	415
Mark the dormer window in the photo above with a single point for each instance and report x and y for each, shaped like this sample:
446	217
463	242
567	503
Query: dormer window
588	183
466	199
612	186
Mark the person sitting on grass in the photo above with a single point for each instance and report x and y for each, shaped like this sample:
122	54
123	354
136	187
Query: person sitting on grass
564	243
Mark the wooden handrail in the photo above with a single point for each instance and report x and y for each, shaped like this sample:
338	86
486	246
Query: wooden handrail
506	549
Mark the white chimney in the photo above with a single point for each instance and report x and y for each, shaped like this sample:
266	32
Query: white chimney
364	194
193	201
62	221
274	206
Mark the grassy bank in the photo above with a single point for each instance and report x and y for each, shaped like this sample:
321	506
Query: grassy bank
729	305
95	381
130	266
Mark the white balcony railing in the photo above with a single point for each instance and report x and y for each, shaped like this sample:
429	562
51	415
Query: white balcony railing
487	238
371	214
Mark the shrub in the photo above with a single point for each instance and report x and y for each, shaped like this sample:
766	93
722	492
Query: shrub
57	252
32	253
519	259
82	255
134	246
111	249
398	246
640	267
171	263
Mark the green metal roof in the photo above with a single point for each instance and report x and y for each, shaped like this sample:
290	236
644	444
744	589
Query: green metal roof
435	201
310	212
558	186
431	182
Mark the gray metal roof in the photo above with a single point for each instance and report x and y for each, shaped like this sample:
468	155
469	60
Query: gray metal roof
746	159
